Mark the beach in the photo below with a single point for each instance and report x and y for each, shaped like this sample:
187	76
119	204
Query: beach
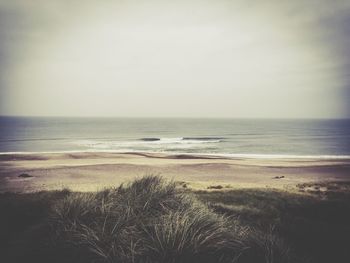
281	183
93	171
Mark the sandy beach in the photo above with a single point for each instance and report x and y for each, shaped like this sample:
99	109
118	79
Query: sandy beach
87	171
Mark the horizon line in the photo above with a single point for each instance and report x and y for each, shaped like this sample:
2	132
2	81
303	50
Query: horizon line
172	117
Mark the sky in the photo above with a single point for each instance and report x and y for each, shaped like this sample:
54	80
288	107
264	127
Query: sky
186	58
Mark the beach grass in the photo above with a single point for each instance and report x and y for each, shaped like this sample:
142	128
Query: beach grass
152	220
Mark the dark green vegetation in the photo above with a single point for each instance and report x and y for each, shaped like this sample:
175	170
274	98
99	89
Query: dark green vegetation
153	221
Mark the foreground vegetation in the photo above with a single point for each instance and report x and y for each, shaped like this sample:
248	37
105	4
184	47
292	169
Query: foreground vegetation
151	220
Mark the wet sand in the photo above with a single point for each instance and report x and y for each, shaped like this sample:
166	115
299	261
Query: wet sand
87	171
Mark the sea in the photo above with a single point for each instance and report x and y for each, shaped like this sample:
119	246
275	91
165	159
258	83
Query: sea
255	138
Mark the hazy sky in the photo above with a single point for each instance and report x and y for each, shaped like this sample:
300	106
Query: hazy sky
189	58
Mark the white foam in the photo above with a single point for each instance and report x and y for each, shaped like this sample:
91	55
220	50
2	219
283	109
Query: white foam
279	156
200	154
162	144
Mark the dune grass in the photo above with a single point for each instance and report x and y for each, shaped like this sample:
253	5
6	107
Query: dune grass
315	223
151	220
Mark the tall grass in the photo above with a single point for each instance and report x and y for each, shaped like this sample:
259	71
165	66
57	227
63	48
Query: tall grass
150	220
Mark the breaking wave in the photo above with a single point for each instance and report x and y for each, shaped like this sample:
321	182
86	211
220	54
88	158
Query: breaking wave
153	144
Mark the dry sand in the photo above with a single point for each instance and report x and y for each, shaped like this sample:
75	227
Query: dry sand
88	171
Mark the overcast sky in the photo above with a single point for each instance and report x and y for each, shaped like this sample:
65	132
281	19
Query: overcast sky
216	58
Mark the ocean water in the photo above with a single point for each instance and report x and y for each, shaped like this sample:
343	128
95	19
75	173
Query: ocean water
232	137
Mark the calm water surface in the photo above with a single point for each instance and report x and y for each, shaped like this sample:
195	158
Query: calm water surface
245	137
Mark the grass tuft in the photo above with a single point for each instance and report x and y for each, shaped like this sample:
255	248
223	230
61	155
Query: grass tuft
150	220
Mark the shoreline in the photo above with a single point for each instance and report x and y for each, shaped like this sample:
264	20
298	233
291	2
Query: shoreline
91	171
199	154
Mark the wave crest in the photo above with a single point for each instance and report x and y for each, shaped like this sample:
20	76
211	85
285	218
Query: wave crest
152	144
